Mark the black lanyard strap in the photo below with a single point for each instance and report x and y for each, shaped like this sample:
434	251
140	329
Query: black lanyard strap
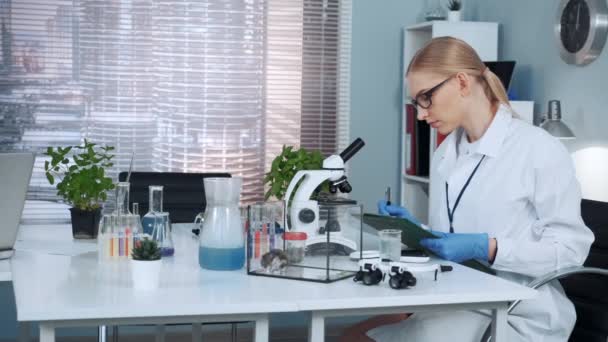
447	200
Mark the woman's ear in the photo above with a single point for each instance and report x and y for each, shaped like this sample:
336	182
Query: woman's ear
464	83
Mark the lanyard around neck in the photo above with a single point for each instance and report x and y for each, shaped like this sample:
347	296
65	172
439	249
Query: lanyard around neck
447	200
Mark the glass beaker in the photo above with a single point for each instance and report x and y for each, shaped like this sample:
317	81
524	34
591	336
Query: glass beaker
222	240
390	244
162	233
120	230
155	205
105	238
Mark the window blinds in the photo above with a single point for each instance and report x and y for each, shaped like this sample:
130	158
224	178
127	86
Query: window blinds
183	86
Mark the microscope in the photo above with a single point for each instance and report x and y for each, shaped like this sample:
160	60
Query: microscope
304	212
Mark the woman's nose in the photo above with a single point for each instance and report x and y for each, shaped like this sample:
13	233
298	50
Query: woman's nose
422	113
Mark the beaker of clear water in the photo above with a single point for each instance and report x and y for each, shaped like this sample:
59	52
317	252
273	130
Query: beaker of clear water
390	244
222	240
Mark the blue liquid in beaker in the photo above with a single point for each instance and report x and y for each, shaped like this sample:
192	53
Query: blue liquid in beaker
147	222
221	259
167	251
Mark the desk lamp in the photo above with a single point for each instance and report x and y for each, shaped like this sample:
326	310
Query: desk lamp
553	124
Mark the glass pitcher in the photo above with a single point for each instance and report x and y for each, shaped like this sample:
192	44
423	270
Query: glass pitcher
222	239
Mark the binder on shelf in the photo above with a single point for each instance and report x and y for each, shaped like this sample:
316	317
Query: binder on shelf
440	138
410	140
423	151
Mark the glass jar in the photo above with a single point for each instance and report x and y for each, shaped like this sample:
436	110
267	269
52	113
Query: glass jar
295	246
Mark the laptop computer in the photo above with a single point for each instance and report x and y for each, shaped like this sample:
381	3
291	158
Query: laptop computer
504	71
15	174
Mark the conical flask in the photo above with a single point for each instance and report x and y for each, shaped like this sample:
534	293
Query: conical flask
155	206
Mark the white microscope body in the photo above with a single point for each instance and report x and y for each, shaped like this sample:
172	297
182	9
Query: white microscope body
304	212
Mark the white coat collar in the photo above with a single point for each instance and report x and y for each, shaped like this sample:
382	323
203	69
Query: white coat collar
489	144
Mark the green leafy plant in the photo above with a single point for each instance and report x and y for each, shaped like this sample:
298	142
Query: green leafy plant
82	180
286	165
146	249
454	5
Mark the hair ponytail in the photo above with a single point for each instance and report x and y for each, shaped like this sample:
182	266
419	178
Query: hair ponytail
494	89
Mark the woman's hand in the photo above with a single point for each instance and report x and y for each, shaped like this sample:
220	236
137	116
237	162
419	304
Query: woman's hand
459	247
396	211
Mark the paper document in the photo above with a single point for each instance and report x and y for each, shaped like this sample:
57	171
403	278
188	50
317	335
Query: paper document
411	235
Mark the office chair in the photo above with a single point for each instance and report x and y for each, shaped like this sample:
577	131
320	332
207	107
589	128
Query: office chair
585	285
183	199
183	193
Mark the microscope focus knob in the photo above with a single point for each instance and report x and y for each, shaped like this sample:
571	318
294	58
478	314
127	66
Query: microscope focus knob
306	215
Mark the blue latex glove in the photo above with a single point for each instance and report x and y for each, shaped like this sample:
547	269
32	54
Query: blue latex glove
438	233
395	210
458	247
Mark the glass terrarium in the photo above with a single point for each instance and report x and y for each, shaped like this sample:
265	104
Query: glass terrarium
312	241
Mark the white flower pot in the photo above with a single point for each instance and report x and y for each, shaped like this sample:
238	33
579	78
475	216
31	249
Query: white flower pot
454	15
145	274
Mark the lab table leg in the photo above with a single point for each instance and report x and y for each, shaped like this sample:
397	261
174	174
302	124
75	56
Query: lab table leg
261	329
47	332
102	333
24	332
160	333
316	328
233	334
499	324
197	332
115	333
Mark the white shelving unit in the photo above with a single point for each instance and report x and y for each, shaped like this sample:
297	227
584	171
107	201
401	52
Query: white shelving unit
483	37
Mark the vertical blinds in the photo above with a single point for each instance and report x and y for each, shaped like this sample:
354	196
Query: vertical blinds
184	86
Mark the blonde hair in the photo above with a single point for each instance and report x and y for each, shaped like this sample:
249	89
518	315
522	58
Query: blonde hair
447	56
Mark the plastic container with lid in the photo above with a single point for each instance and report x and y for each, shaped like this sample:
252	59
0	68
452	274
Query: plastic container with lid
295	246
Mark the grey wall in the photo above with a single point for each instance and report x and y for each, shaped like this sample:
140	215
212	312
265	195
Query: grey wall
375	94
527	36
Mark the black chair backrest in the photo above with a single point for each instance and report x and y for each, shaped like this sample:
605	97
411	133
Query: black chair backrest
183	193
589	292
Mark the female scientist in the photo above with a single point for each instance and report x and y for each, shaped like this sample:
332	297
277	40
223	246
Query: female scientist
501	190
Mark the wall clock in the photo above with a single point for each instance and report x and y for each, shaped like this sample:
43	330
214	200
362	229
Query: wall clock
581	28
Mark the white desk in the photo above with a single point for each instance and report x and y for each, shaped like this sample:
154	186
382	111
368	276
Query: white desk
74	290
65	291
460	289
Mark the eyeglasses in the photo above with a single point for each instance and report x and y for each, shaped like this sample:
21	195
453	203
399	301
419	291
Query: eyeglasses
423	100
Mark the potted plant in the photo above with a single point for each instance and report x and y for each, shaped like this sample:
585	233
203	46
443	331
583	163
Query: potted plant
145	264
454	7
286	165
82	183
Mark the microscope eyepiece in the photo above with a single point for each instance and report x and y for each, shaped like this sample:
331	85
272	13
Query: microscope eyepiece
353	148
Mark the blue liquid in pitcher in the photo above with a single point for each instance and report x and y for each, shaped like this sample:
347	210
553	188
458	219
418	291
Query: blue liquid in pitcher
221	259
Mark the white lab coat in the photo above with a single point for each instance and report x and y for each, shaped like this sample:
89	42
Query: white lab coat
524	194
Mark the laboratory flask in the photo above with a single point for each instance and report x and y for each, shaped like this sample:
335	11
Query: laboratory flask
162	233
222	239
155	205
